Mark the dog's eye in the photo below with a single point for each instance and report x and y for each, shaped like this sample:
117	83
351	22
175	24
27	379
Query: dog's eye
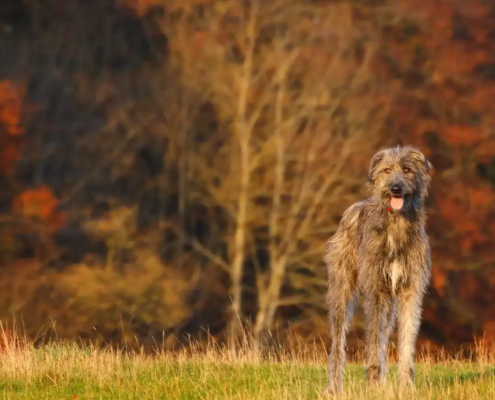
387	170
407	170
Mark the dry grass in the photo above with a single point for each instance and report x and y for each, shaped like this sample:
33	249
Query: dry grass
66	370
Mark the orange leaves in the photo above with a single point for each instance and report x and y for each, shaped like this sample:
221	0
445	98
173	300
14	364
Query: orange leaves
457	61
485	151
10	108
10	154
481	101
452	211
470	285
439	278
489	331
462	135
480	198
466	208
40	203
474	10
10	126
199	39
141	7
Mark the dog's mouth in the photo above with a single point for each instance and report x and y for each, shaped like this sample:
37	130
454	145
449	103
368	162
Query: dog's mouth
396	202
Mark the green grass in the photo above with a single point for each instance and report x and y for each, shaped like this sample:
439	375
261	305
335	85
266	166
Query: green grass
67	371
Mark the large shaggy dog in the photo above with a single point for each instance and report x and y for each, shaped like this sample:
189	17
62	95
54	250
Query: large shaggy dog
381	251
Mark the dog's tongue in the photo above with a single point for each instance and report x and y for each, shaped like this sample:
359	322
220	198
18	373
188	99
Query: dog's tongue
397	203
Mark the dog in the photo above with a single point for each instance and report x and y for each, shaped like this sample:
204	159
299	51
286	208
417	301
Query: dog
380	251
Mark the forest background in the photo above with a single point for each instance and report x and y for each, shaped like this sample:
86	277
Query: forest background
172	169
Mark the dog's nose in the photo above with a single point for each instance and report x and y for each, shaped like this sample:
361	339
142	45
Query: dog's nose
396	189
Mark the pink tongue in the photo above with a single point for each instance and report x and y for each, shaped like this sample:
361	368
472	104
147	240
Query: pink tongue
397	203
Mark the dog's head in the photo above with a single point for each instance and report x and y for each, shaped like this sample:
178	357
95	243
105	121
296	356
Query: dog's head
400	176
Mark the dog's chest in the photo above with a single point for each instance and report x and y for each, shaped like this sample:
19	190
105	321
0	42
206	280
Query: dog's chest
396	237
395	242
395	272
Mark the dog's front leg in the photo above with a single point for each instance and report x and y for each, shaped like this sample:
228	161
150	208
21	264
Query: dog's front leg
389	315
377	310
409	319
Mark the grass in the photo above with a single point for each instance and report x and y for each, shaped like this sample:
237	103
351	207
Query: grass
67	371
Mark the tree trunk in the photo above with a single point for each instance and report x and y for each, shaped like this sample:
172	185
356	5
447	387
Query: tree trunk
269	304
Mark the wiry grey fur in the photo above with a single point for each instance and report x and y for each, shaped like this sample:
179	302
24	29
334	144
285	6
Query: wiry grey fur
384	255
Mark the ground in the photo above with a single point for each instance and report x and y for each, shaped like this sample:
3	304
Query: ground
67	371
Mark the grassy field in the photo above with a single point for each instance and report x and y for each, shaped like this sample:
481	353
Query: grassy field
65	371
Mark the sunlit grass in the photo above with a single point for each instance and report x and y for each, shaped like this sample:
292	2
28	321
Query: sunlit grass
65	371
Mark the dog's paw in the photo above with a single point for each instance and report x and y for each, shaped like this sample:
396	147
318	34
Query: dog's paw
330	392
406	378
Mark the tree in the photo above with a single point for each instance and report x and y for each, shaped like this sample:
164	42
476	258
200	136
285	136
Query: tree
298	105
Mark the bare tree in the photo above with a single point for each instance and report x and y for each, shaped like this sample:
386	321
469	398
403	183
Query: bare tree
298	104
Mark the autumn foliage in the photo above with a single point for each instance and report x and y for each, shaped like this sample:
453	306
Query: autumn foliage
195	155
10	125
40	204
10	108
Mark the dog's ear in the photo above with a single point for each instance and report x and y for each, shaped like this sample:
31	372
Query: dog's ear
375	161
421	160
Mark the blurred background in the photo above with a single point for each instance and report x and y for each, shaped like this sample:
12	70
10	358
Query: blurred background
171	169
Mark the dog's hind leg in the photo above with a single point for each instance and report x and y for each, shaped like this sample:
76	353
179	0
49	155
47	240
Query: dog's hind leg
341	302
